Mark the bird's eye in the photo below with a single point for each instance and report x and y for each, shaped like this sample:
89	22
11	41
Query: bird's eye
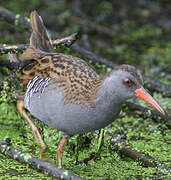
128	82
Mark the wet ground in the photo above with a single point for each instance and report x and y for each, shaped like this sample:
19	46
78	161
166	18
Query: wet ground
136	33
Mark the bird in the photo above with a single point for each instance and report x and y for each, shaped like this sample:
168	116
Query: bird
67	94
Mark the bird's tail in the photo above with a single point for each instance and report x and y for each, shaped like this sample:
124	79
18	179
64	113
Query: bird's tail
39	38
40	41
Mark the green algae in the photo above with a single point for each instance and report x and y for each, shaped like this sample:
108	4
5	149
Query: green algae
10	169
134	44
142	134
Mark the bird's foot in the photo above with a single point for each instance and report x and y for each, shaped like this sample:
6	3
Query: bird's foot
92	156
44	155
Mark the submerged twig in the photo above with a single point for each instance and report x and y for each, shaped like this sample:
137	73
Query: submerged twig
7	149
66	41
119	144
93	26
14	65
153	84
4	49
158	117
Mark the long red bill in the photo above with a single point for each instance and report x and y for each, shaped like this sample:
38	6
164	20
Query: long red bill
144	95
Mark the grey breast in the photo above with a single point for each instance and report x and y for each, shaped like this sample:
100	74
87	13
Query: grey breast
44	99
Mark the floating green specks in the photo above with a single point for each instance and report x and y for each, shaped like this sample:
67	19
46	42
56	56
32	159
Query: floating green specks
65	173
27	156
16	19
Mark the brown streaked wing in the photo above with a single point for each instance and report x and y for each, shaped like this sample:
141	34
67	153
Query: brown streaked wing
79	81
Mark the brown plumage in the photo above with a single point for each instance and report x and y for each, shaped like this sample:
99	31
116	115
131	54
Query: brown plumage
79	81
51	71
132	70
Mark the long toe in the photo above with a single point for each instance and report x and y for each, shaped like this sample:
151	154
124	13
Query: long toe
44	155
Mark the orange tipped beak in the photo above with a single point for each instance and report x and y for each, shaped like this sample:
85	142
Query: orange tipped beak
144	95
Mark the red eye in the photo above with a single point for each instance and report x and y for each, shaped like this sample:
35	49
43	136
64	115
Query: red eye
128	82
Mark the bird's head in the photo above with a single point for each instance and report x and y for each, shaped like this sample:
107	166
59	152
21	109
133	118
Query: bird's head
129	83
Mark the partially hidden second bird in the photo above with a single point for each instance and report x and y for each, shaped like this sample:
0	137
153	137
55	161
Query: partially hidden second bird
67	94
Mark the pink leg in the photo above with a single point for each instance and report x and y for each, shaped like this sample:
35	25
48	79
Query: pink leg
36	133
60	150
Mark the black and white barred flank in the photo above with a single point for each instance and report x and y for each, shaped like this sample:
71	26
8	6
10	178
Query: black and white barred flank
35	85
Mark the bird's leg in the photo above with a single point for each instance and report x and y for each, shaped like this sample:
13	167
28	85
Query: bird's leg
36	133
95	155
60	150
100	139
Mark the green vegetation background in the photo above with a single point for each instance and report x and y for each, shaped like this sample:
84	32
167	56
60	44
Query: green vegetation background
139	34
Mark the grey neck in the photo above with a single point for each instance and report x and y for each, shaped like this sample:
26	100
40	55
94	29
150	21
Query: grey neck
108	97
110	90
